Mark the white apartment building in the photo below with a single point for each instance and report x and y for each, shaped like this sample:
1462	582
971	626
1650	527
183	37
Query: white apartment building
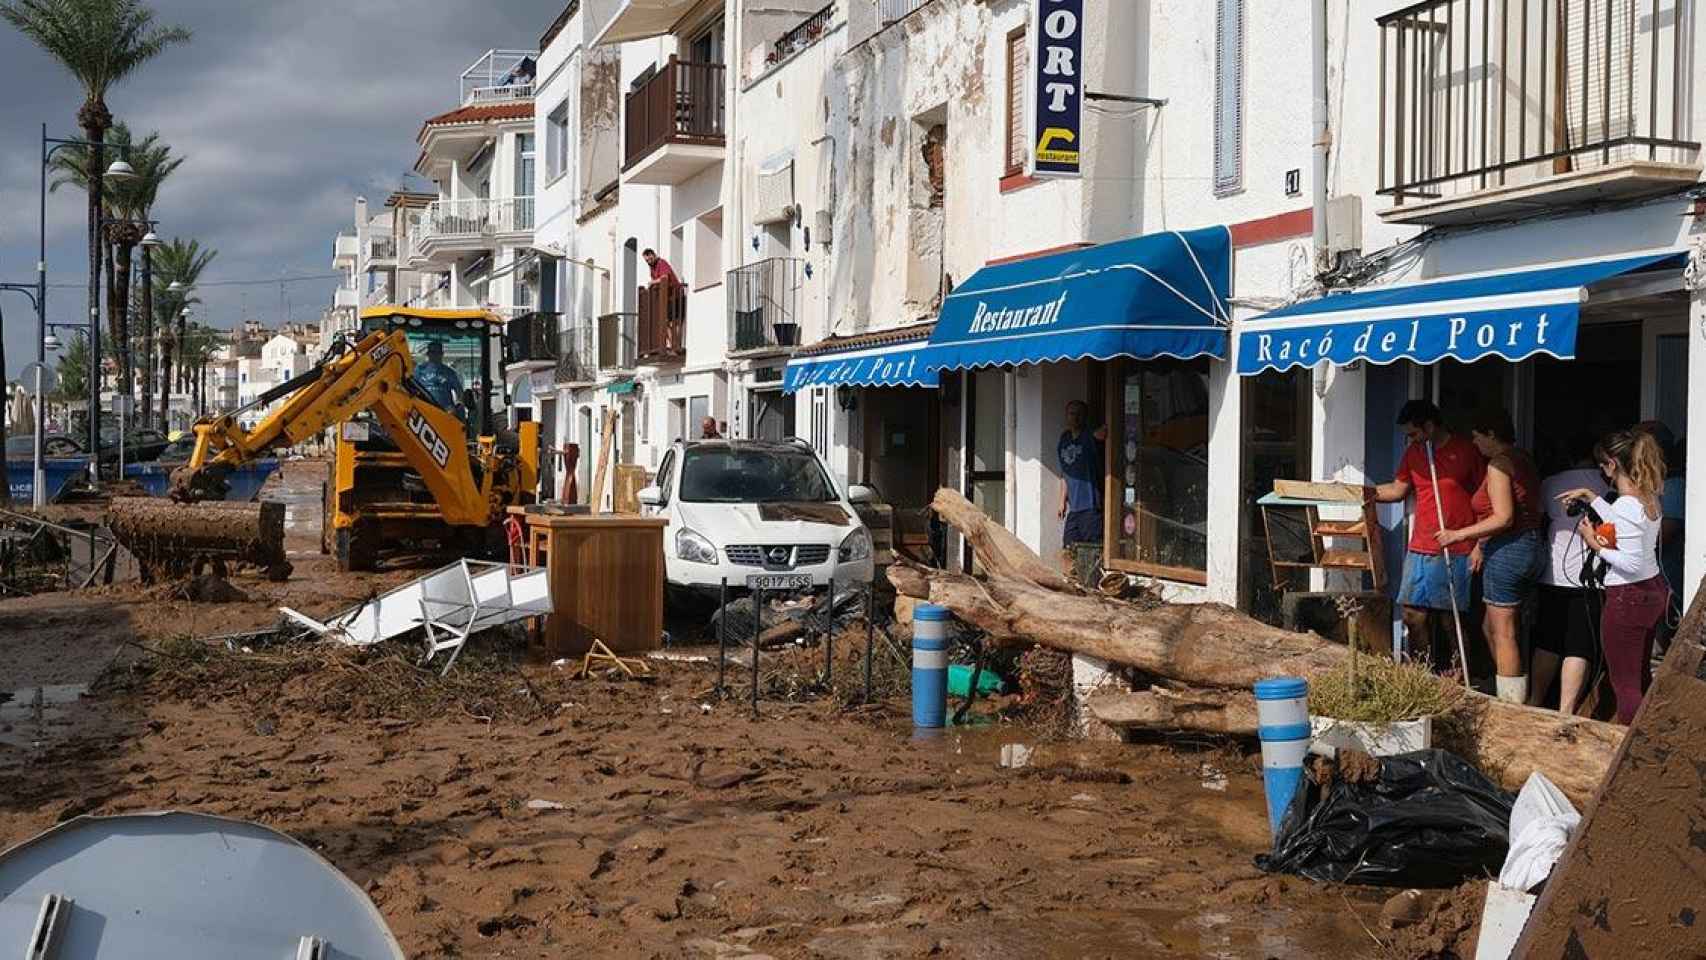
281	357
374	258
472	245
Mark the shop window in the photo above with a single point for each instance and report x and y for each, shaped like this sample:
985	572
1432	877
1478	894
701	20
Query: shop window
1159	463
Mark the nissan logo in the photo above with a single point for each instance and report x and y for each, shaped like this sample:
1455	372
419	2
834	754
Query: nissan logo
778	555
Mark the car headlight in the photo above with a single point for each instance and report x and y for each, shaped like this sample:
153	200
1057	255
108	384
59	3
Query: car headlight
694	548
857	546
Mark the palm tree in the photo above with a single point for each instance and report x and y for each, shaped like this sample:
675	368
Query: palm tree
100	42
180	261
200	343
128	205
132	203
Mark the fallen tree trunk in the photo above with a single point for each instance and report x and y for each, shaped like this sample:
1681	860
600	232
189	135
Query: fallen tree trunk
1162	709
1214	646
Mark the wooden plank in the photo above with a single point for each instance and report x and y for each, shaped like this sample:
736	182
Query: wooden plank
608	437
1339	528
631	478
1346	559
1321	491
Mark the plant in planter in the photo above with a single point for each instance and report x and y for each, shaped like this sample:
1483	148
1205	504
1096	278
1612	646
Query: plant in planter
1376	705
787	334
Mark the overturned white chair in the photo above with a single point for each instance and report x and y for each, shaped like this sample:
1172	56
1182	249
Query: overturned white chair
449	605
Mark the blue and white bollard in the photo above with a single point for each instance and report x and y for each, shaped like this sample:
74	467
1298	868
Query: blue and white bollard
930	665
1282	715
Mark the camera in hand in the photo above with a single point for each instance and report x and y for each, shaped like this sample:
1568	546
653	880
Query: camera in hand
1581	505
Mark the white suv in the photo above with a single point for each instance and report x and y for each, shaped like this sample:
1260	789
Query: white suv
759	514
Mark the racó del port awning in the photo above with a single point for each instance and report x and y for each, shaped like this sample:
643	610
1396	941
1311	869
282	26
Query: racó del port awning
1511	314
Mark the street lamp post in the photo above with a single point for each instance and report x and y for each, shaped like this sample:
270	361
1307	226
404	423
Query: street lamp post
119	170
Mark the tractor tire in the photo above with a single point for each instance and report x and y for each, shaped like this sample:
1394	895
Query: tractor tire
356	549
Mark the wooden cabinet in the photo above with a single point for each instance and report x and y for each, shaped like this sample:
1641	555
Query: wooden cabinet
606	580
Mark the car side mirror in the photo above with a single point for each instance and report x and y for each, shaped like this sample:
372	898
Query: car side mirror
650	496
859	493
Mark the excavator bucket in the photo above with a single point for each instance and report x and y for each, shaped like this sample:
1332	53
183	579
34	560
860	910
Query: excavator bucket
177	539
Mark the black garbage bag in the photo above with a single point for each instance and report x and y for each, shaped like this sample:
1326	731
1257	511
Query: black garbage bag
1426	819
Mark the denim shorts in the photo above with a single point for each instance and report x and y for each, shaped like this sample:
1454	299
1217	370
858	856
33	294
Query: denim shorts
1510	567
1425	586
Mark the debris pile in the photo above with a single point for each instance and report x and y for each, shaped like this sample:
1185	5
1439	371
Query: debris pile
380	682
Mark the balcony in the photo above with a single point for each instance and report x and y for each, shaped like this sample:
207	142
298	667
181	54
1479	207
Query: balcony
1502	108
892	11
454	227
800	37
346	296
532	339
500	76
674	124
343	252
764	305
661	326
575	355
617	341
381	252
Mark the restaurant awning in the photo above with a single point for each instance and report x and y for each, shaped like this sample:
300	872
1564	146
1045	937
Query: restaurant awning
1511	314
1160	295
883	358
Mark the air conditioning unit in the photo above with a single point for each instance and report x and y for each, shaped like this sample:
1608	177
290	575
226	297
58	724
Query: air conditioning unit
773	193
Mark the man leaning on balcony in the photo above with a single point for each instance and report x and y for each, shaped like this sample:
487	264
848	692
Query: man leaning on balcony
664	274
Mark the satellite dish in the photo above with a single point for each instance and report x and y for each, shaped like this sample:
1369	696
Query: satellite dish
182	885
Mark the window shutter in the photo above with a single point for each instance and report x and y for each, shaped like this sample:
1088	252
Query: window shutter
1229	96
1018	78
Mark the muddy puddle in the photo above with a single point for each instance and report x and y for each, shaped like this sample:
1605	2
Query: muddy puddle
34	717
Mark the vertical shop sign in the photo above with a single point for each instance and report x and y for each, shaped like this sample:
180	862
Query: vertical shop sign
1057	88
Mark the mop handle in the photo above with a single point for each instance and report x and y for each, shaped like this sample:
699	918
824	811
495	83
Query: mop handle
1445	556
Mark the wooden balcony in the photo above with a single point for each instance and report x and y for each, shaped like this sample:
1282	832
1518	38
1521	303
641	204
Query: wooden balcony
1493	109
674	124
662	323
617	341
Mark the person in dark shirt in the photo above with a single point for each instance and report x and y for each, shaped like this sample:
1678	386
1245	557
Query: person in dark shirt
439	379
1080	456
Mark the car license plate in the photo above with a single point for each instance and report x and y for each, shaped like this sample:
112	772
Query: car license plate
778	581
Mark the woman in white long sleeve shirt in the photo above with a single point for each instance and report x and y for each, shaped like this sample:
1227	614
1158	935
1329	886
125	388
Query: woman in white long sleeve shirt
1635	592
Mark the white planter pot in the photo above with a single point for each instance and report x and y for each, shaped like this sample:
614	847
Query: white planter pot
1374	739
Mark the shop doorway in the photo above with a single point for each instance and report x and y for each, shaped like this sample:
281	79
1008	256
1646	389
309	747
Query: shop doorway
769	415
1276	446
902	429
986	447
548	440
1578	401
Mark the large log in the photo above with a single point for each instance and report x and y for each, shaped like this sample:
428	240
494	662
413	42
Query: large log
1214	646
171	539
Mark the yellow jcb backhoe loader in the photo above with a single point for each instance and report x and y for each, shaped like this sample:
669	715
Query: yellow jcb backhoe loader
462	504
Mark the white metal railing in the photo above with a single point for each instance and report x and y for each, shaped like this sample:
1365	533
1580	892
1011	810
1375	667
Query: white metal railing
476	217
889	11
344	246
504	94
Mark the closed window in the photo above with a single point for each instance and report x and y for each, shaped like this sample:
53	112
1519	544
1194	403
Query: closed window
524	165
1228	96
1018	77
557	142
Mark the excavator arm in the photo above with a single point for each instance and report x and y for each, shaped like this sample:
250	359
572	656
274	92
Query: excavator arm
375	375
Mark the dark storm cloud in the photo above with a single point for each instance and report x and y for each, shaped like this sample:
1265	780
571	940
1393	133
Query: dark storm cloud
285	111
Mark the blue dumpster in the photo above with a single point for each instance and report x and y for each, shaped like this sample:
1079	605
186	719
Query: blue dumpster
245	481
58	471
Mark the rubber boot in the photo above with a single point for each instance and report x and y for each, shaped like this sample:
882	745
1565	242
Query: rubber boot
1513	689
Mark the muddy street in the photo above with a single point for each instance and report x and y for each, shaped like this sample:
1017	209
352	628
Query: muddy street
648	819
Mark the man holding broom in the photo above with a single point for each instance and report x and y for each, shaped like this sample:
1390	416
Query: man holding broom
1443	471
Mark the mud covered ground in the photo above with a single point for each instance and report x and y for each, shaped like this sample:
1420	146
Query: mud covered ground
654	819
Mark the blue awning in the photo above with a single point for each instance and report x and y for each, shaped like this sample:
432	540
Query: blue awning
882	365
1161	295
1511	314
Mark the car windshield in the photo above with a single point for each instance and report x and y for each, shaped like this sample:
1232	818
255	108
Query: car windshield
752	475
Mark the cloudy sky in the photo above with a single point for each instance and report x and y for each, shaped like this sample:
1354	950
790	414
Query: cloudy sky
285	111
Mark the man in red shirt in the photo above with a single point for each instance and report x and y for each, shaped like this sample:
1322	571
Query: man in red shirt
661	270
1425	593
